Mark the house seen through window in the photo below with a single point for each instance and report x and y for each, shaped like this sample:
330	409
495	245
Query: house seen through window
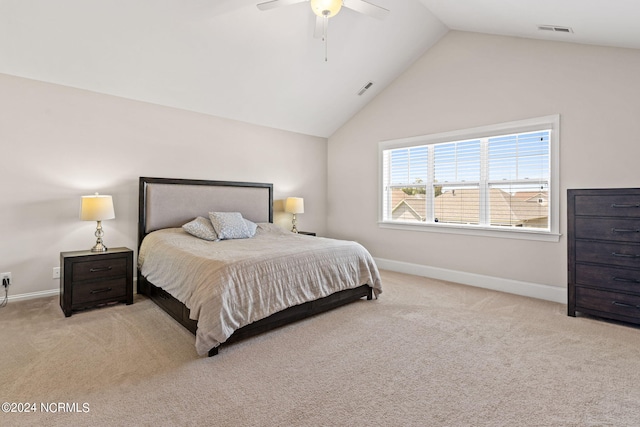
499	181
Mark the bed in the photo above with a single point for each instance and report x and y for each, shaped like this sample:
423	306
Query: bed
231	289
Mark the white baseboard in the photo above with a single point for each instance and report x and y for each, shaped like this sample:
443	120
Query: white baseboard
527	289
32	295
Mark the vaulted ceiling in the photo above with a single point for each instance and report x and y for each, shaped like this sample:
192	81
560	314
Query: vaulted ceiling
228	58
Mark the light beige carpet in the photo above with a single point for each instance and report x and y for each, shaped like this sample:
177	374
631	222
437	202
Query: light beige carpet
427	353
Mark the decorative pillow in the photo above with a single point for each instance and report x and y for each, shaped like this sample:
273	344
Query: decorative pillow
251	226
201	227
229	225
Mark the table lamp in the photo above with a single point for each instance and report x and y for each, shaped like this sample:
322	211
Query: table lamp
97	208
294	205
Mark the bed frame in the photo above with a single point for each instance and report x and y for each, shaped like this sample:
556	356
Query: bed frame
166	202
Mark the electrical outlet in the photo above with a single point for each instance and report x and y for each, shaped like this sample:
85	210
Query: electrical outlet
5	276
56	272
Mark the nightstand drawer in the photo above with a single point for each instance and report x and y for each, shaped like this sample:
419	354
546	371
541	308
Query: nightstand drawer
96	291
99	269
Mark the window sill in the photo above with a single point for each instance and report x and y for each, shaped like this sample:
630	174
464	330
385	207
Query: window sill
472	230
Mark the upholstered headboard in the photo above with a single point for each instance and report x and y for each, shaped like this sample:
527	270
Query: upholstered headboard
167	202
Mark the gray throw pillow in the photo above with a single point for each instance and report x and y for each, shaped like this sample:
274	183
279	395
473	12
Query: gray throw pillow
202	228
229	225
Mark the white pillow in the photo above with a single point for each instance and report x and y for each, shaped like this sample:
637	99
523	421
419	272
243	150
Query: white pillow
202	228
229	225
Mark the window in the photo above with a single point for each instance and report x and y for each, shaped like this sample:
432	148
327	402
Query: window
494	180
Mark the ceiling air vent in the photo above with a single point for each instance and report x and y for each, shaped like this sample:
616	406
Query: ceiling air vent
555	28
365	88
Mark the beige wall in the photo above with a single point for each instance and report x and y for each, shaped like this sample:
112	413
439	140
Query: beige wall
469	80
58	143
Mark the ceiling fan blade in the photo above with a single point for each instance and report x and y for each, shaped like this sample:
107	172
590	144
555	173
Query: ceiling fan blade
366	8
318	31
277	3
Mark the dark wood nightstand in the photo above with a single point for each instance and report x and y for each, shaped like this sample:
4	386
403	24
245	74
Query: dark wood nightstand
308	233
88	279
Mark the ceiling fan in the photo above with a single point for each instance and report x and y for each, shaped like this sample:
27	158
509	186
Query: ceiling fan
325	9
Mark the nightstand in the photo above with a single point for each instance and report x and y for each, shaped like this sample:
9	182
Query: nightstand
308	233
89	279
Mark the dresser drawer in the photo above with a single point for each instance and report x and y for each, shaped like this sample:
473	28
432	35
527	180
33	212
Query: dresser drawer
626	307
617	254
610	278
623	205
90	292
618	229
103	268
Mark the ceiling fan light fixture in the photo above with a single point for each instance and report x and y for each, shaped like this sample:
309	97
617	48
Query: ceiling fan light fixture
326	8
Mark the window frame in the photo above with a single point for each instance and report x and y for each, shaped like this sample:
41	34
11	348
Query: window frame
551	122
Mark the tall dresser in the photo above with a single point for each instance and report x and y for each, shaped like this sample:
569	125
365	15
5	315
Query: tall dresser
603	228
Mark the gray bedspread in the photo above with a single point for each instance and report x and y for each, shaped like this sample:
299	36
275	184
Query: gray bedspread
231	283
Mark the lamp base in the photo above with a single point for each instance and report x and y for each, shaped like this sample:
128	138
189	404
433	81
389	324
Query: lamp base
99	246
293	223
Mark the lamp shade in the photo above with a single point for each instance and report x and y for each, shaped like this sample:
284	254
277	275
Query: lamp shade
294	205
96	208
326	8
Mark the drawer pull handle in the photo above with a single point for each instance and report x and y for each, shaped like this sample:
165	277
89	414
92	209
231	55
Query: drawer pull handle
624	230
99	291
622	304
624	279
615	205
97	270
625	255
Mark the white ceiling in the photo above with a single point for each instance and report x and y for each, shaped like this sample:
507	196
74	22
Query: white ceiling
229	59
